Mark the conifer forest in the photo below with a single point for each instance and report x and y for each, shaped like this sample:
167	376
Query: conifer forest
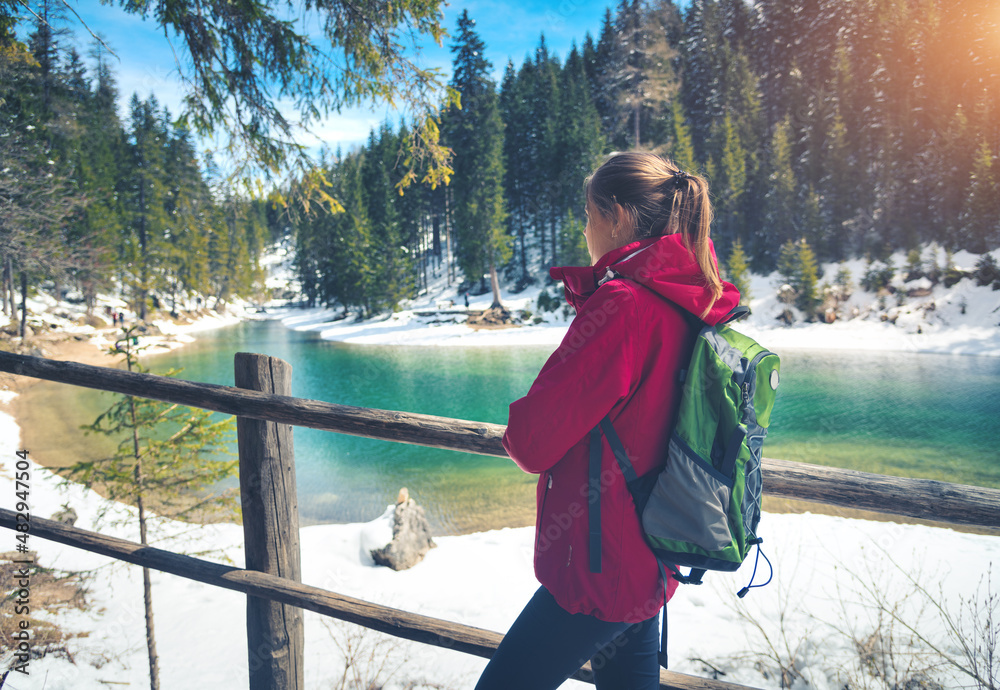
853	128
92	203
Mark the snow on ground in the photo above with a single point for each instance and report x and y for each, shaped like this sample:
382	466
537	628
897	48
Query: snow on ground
46	314
815	611
172	334
962	319
813	617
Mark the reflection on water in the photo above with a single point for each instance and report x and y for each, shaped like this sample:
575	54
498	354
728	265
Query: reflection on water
913	415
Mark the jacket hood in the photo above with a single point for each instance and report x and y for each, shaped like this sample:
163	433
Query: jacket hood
664	265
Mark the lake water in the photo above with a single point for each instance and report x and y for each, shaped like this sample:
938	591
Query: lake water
930	416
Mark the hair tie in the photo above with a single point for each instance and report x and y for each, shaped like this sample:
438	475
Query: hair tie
680	177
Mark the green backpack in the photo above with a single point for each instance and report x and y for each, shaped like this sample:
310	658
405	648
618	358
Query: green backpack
701	509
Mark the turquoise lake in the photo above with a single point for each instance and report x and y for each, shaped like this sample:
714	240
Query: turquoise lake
919	415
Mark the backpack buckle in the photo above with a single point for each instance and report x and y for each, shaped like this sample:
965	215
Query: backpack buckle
692	578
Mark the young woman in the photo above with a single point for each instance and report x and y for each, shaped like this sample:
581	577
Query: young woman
653	276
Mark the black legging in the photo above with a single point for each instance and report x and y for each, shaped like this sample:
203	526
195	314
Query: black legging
546	645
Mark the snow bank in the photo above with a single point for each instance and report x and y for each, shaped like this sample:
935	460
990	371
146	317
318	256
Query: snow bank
69	316
962	319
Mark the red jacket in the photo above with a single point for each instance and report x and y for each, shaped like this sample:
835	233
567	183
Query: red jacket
622	355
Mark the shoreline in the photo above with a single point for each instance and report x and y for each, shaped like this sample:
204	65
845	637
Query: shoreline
33	425
958	320
915	316
408	330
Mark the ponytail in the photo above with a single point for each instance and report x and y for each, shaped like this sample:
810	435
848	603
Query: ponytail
691	216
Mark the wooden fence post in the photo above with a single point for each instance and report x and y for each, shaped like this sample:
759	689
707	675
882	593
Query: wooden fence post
275	637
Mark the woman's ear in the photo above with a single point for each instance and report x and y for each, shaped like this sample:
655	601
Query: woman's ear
620	219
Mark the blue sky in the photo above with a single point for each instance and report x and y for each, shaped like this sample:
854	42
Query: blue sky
509	29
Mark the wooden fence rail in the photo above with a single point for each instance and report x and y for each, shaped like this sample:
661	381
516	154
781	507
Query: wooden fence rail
409	626
915	498
266	411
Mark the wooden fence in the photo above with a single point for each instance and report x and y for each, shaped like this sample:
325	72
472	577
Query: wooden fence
266	411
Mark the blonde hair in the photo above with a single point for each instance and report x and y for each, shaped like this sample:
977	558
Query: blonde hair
657	198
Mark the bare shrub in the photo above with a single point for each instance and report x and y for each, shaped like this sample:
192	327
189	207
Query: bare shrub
371	659
917	639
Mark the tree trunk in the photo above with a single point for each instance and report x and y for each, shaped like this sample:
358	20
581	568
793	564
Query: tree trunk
541	238
552	228
143	265
24	302
524	257
436	241
147	587
89	297
636	124
423	248
9	285
147	601
495	282
447	231
8	307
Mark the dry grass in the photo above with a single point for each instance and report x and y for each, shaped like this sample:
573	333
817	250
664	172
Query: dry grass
51	592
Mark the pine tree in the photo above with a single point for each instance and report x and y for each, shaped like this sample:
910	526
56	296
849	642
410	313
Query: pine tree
738	271
780	210
776	38
574	242
702	69
837	192
45	46
334	247
979	221
808	300
38	199
412	211
391	277
681	148
606	64
518	169
952	159
579	139
797	265
729	183
475	133
100	156
146	218
645	82
235	58
787	265
544	102
166	453
187	204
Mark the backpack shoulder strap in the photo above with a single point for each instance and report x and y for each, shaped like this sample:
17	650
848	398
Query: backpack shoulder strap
594	500
738	312
618	448
594	484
